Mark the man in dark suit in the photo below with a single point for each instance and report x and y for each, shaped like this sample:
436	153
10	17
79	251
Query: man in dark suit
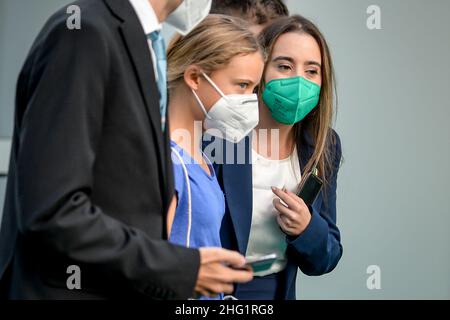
90	175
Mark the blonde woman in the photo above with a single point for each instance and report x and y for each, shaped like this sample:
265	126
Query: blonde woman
212	73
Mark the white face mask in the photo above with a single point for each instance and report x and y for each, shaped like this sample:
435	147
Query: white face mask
188	15
234	116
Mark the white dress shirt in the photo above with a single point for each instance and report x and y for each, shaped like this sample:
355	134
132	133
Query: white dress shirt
149	22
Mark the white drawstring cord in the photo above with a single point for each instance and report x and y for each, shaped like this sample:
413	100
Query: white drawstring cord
186	175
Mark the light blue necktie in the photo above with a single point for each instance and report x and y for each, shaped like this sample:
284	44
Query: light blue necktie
159	49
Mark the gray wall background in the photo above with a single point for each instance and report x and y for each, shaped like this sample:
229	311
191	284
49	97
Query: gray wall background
393	191
393	116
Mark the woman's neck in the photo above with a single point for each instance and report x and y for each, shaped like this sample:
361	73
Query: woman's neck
280	140
185	130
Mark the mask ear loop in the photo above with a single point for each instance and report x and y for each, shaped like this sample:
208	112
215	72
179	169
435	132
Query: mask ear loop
198	99
214	85
220	91
200	103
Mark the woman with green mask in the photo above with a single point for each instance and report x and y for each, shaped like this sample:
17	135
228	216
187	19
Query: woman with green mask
264	215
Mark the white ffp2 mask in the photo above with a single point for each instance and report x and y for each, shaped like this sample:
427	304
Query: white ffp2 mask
234	115
188	15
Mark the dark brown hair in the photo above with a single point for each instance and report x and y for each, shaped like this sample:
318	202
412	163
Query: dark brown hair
256	11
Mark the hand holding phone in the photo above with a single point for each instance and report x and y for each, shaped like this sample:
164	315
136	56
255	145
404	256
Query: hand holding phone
310	188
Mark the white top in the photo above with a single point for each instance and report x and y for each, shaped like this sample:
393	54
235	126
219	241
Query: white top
149	22
266	236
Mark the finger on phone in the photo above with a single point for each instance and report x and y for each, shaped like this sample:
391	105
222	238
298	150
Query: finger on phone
232	258
285	197
294	197
228	274
241	276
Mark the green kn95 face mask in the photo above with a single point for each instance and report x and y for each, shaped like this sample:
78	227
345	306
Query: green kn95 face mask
291	99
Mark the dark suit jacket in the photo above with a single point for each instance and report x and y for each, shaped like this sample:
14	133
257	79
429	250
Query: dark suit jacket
90	174
317	250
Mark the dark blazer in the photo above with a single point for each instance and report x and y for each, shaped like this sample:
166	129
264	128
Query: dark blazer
90	175
317	250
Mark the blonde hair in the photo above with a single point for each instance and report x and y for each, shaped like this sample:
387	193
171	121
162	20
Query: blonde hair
210	46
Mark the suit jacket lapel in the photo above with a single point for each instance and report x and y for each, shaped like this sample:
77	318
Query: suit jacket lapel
237	180
238	186
140	56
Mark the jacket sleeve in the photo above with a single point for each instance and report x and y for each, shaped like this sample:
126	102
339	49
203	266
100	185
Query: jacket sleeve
318	249
63	88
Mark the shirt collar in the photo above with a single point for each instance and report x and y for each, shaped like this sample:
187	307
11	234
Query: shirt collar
146	15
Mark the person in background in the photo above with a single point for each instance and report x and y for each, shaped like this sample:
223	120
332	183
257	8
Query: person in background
258	13
294	137
212	72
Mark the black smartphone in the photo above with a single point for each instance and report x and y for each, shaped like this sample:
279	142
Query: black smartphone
310	188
